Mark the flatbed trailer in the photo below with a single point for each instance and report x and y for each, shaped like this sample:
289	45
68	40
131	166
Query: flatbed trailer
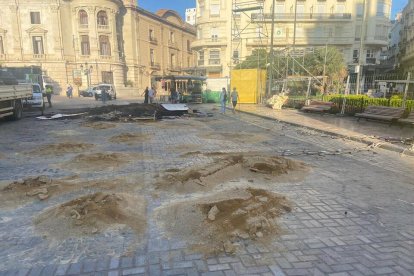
12	98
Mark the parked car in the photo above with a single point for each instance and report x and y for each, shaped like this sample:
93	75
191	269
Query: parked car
90	92
109	88
36	100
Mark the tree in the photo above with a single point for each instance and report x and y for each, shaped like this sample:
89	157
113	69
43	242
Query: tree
258	59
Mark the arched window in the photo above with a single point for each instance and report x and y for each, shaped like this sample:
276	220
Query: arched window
102	18
104	45
83	18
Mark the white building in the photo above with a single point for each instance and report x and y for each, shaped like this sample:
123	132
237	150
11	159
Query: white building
319	22
190	16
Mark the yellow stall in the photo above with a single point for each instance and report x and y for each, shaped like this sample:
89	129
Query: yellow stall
250	83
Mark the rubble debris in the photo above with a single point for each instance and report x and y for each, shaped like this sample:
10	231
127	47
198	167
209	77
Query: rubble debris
60	116
231	166
61	148
277	101
241	216
92	214
98	160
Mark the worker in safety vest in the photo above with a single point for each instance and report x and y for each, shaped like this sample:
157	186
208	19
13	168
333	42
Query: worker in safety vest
49	92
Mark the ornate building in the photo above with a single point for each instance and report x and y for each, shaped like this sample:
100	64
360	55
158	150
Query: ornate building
87	42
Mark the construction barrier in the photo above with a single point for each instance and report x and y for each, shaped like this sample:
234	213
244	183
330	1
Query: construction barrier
250	83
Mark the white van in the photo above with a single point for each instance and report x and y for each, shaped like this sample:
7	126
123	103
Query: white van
36	101
109	88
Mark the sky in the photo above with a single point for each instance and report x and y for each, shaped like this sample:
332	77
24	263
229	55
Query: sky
181	5
177	5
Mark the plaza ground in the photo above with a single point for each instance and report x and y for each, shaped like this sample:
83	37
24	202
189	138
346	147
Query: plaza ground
127	198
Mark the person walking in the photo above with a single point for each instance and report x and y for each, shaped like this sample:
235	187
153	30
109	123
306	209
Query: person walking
146	91
49	92
104	95
69	91
234	98
151	95
223	100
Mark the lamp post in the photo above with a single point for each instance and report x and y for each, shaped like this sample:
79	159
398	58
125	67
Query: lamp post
87	72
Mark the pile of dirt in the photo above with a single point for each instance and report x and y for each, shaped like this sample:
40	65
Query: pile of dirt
40	187
222	222
98	160
61	148
228	166
98	125
129	138
92	214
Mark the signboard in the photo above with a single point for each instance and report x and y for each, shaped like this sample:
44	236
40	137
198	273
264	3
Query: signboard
77	77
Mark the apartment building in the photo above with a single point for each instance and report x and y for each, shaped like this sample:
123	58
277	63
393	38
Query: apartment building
190	16
406	45
229	30
86	42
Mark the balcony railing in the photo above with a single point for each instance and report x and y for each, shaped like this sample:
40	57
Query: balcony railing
301	16
83	26
214	61
371	60
155	65
153	40
39	56
103	27
106	57
172	44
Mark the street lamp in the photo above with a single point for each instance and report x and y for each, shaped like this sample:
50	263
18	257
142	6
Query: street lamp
87	72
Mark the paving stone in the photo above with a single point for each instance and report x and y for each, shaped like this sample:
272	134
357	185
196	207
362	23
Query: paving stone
74	269
113	273
61	269
218	267
114	263
127	262
133	271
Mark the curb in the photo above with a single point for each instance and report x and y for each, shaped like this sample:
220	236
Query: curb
367	141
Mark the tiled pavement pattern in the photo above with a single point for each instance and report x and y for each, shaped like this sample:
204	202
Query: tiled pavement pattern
353	215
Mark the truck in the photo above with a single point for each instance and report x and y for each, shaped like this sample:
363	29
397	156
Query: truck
13	95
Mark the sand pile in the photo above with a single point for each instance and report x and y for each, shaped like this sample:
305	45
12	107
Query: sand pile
222	222
227	167
98	125
129	138
40	187
61	148
92	214
97	161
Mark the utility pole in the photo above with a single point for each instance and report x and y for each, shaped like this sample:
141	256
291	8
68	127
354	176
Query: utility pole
406	89
361	50
294	35
324	67
271	49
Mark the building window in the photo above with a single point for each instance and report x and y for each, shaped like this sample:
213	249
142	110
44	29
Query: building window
104	45
1	46
383	9
151	34
85	47
360	10
188	46
83	18
355	56
172	61
236	56
201	58
215	9
358	29
172	38
102	18
152	57
188	62
107	77
214	57
35	17
38	45
214	34
370	53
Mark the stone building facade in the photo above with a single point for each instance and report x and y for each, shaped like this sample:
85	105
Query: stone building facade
406	45
229	30
85	42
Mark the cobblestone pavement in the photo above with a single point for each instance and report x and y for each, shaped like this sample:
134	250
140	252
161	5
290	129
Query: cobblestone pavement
353	215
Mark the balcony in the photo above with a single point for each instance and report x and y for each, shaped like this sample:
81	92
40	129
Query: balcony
153	40
283	17
106	57
172	44
39	56
215	61
83	26
155	65
174	68
103	27
209	42
371	60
